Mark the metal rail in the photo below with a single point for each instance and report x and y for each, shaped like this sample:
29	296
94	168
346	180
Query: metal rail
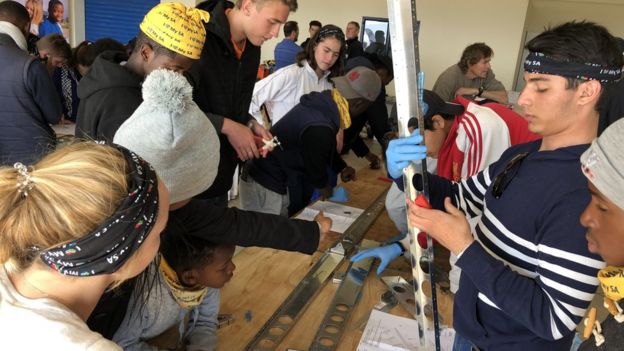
285	317
348	294
407	81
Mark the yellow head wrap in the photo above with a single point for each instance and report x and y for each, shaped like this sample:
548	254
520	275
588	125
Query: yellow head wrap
343	109
612	282
177	28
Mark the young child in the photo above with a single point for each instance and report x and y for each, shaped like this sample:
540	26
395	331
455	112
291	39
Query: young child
52	24
603	165
55	266
187	279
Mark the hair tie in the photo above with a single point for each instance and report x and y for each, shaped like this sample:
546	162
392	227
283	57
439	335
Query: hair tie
24	180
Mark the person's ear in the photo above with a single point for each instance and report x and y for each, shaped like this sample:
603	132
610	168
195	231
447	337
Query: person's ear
189	277
246	6
146	52
438	122
589	92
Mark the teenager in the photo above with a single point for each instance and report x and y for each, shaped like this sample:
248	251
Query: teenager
104	210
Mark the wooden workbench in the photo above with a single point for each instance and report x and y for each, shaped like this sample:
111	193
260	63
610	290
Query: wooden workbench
265	277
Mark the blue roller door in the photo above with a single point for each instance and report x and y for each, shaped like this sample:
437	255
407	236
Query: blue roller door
117	19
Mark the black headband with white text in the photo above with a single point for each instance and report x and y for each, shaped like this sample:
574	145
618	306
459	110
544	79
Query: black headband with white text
537	62
108	247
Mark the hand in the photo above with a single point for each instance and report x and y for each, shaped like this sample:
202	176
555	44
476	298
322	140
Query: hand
450	228
386	254
373	161
241	138
466	91
326	192
326	237
347	174
259	130
402	151
340	140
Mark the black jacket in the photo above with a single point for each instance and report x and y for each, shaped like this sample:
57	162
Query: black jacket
108	94
28	105
245	228
223	86
354	48
308	146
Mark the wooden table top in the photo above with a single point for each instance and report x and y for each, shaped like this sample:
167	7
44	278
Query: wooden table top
265	277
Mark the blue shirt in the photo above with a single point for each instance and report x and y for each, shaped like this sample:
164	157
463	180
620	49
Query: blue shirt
285	53
48	27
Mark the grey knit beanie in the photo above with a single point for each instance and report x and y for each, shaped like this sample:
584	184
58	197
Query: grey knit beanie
170	131
603	163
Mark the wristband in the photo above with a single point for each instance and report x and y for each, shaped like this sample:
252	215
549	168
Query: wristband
481	90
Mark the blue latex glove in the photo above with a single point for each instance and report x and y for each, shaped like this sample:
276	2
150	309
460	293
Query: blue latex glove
386	254
402	151
316	194
339	195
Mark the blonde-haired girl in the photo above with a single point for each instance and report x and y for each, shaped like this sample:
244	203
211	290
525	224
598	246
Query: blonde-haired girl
81	220
35	11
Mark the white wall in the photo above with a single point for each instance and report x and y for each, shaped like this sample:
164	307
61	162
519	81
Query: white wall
608	13
447	27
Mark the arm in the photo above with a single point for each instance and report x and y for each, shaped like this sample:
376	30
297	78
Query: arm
494	89
551	300
43	92
272	88
496	95
324	154
246	228
193	76
468	193
319	145
203	335
553	303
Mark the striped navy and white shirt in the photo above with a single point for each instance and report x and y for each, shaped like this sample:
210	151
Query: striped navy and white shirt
528	277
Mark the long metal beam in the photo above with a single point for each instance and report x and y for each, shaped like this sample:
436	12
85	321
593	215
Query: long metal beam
285	317
408	82
348	294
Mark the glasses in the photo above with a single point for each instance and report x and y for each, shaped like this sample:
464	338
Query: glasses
502	180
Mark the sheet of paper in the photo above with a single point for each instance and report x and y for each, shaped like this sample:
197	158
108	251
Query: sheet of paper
385	331
342	216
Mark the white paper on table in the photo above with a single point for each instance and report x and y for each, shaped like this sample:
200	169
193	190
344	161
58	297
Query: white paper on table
385	331
342	216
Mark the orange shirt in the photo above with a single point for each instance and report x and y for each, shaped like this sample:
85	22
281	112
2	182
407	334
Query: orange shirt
238	51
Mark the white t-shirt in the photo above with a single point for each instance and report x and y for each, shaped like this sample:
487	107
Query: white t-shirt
43	324
282	90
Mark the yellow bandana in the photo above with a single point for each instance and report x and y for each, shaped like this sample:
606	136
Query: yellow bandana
177	28
612	282
343	109
185	297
